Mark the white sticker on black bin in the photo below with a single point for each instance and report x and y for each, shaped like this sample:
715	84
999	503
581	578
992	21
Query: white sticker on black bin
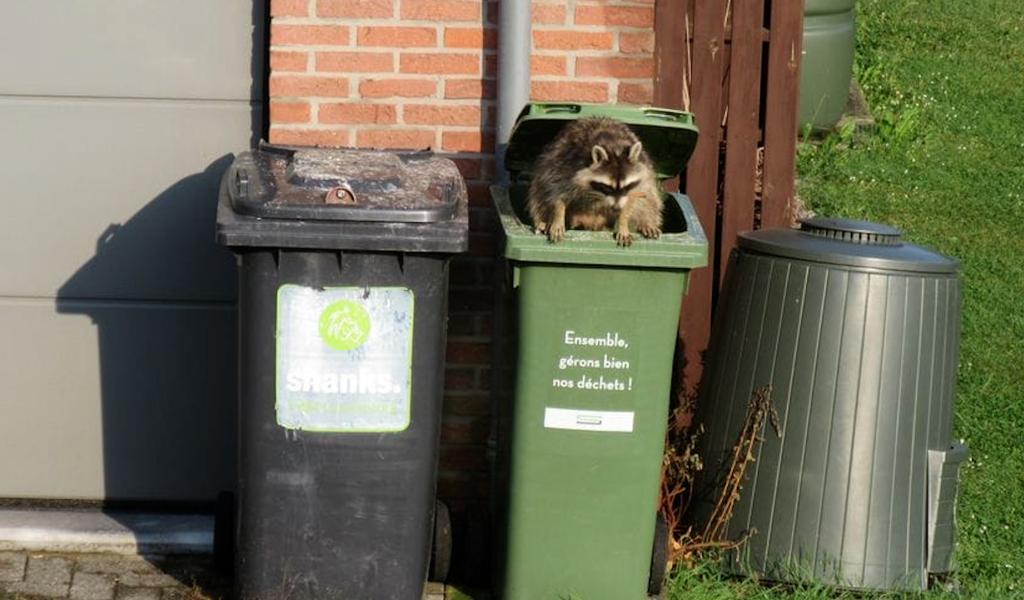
344	358
588	420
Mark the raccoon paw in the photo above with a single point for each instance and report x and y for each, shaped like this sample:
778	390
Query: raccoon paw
556	233
540	228
650	232
623	238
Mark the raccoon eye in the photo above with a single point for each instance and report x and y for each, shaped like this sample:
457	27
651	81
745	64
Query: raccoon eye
629	186
597	186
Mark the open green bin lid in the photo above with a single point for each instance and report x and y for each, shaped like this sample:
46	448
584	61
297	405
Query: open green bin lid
669	137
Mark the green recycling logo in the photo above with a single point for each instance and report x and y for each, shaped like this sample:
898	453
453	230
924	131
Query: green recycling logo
345	325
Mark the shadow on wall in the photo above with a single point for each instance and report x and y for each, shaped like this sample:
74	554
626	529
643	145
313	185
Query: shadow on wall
166	333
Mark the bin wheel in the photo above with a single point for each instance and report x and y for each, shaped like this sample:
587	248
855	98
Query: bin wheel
224	533
659	557
441	549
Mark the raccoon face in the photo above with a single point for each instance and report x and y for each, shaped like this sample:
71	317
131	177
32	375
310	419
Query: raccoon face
612	175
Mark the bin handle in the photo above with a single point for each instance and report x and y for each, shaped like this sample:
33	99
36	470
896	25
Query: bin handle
663	113
561	107
241	181
341	194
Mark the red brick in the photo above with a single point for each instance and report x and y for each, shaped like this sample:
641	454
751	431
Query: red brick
470	169
636	43
459	379
622	16
356	113
467	141
469	88
289	8
463	458
467	405
636	93
442	115
438	64
397	37
614	66
471	300
461	490
441	10
408	139
464	37
309	137
483	218
558	91
486	325
356	9
355	62
468	353
564	39
308	35
288	61
464	325
465	431
548	65
479	192
289	112
487	173
482	245
400	88
548	14
307	85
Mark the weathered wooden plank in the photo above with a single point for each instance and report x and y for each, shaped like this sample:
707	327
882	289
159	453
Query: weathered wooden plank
781	112
702	174
742	129
670	62
669	52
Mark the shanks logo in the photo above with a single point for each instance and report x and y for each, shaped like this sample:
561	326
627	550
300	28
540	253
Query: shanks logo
345	325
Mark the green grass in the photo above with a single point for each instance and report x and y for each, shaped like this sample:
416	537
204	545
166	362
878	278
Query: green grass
945	80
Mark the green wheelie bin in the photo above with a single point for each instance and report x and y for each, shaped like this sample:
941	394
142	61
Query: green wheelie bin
595	327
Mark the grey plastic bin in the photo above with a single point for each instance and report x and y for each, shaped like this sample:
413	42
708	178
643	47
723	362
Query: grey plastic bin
857	333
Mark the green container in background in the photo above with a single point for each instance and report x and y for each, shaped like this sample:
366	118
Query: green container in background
829	37
596	332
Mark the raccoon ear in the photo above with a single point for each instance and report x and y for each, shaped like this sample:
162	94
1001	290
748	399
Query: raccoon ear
634	152
598	154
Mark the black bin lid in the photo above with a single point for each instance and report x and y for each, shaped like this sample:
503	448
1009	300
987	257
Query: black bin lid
669	136
320	184
343	199
848	242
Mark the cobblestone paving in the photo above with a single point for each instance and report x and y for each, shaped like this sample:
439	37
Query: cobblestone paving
32	575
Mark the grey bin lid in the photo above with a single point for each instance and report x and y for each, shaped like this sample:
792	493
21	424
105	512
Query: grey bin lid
316	184
848	242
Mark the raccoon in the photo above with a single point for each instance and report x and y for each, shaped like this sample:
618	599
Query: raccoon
595	175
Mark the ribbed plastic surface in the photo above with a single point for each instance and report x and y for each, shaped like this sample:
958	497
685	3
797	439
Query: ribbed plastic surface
849	230
862	363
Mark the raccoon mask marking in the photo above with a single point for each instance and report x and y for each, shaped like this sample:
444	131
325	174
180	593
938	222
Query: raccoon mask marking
612	176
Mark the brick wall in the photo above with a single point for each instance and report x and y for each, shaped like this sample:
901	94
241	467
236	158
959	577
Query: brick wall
421	73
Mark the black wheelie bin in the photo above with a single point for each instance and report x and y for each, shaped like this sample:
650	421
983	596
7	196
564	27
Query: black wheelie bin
343	276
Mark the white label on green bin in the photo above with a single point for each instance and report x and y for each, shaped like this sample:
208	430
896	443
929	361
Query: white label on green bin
344	358
588	420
